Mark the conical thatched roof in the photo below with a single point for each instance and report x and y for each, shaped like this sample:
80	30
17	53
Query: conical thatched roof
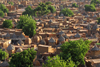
50	21
42	42
4	64
52	40
20	42
19	50
87	16
89	27
60	33
10	47
59	44
61	14
61	38
14	36
95	27
65	36
95	15
39	20
95	48
7	35
21	36
77	35
57	17
71	37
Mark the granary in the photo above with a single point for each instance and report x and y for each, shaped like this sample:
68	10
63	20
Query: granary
4	64
11	49
66	37
20	42
52	42
7	36
95	52
95	28
60	33
42	42
61	39
77	35
59	45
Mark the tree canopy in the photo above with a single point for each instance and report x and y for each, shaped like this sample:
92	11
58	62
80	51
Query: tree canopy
74	5
76	50
90	8
47	3
7	24
27	24
98	20
95	1
11	3
67	12
42	9
3	8
56	61
1	13
3	55
51	8
23	59
28	11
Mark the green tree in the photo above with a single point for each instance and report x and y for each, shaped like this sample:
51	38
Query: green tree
67	12
3	55
1	13
11	3
95	1
56	61
76	50
40	10
90	8
7	24
27	24
47	3
98	20
28	11
74	5
3	8
51	8
23	59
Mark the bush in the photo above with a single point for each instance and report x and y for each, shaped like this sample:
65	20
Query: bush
3	55
3	8
1	13
98	20
74	5
42	9
67	12
11	3
7	24
90	8
27	24
23	59
76	50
